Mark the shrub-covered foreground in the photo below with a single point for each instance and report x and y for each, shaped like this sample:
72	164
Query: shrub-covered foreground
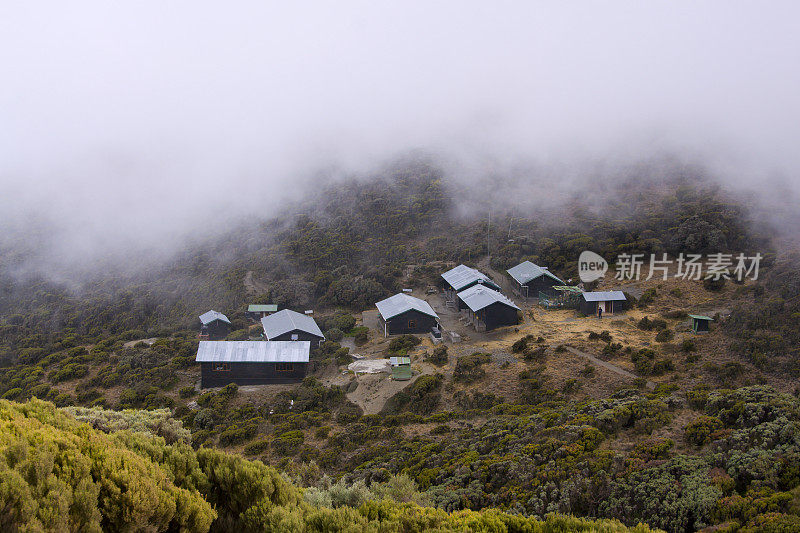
58	473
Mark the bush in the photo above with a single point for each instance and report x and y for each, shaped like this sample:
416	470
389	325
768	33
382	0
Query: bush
688	345
421	397
402	344
334	334
643	361
361	337
439	356
603	336
700	431
257	447
647	298
187	392
469	368
661	366
12	393
713	285
664	335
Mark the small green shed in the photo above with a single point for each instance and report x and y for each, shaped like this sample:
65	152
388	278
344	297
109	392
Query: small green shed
401	368
700	323
259	311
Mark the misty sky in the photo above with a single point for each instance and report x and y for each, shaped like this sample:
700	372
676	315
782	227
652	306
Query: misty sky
123	121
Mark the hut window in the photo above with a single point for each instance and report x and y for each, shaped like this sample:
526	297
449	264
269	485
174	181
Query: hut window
412	323
222	367
284	367
295	336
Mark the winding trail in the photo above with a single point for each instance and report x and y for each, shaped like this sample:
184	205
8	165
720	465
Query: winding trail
608	366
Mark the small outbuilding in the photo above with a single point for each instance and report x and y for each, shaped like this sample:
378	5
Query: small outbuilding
401	368
402	313
288	325
214	325
701	323
531	279
488	309
461	278
258	311
609	302
252	362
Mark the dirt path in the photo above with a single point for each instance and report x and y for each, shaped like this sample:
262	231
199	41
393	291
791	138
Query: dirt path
498	277
253	286
614	368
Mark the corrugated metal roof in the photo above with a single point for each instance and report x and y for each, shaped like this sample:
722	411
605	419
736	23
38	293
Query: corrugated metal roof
478	297
210	316
462	276
253	351
527	271
606	296
262	308
701	317
395	361
400	303
288	320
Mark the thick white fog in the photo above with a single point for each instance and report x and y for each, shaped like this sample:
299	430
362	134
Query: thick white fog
127	125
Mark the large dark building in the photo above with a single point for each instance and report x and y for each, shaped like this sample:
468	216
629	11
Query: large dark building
402	313
461	278
609	302
214	325
532	279
251	362
288	325
488	309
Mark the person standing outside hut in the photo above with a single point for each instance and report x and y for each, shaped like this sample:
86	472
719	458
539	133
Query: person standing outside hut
599	312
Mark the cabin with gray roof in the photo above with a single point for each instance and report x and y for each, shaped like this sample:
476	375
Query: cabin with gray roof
252	362
403	314
288	325
609	302
531	279
461	278
214	325
488	309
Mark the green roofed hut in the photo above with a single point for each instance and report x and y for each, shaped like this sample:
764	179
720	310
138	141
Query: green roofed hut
401	368
258	311
533	279
700	323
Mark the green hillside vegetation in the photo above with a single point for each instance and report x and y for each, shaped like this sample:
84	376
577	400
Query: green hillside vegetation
493	437
59	474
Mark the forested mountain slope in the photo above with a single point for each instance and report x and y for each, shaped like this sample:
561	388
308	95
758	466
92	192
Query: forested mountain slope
506	423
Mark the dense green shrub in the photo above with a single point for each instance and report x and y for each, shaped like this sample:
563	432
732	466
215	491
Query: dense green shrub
402	344
469	368
648	296
664	335
439	355
334	334
701	430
